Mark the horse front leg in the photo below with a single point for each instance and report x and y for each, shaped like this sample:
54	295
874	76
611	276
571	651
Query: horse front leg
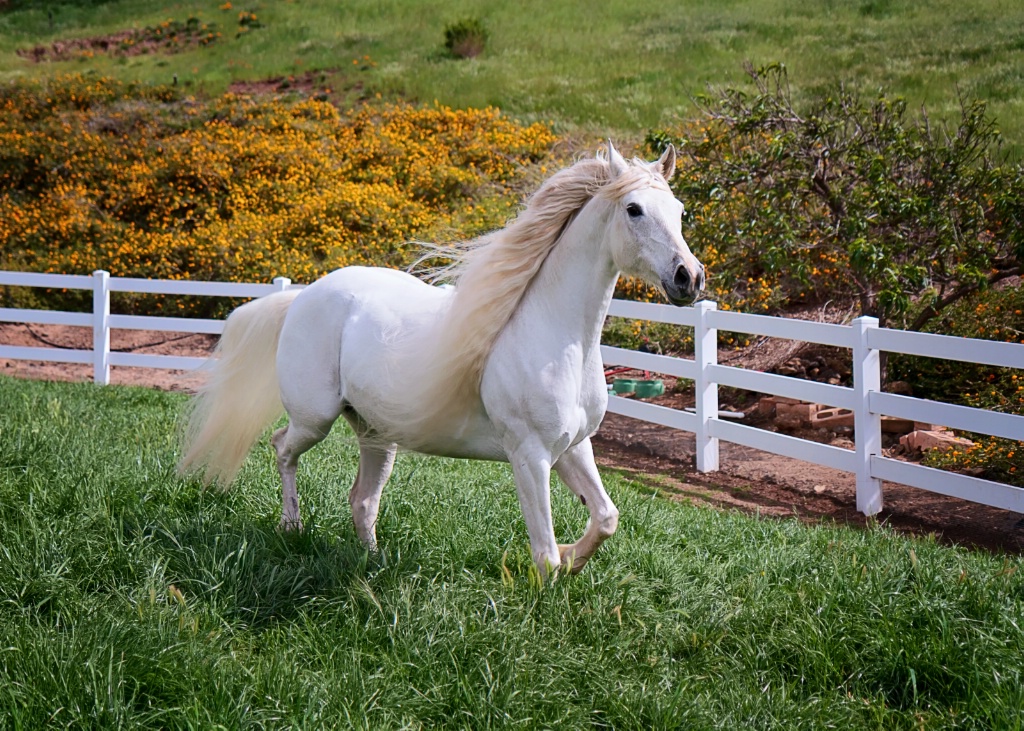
578	471
533	484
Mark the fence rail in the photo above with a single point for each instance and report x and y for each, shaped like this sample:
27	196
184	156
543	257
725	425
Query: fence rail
865	399
102	322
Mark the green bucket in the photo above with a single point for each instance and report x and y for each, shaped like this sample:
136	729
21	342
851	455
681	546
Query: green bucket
649	389
623	386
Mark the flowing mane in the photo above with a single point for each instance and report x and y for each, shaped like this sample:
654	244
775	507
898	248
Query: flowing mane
492	274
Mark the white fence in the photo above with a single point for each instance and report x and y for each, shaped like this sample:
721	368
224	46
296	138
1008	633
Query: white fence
864	338
102	322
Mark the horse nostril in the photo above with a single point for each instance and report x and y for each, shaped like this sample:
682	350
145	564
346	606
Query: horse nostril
682	278
700	278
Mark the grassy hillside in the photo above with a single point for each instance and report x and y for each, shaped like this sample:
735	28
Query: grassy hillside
614	66
132	598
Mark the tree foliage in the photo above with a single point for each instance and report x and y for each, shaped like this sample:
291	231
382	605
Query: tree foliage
847	198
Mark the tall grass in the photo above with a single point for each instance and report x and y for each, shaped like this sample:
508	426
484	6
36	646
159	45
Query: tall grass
130	597
615	65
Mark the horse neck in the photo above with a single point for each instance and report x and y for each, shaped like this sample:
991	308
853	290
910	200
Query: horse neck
574	287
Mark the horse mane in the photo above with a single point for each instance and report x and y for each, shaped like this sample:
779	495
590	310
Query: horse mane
491	275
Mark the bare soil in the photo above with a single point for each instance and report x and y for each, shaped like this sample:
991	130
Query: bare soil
131	42
308	83
662	458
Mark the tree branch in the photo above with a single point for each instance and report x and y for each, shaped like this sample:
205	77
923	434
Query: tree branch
956	295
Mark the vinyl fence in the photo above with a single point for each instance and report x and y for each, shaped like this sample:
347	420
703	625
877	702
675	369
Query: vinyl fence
865	398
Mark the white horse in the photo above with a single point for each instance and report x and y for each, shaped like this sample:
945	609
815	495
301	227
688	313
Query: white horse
505	366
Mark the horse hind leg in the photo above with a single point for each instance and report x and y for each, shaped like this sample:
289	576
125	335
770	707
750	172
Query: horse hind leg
375	464
578	471
290	443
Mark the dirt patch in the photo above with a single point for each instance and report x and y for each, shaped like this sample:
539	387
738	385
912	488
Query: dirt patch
309	83
772	485
171	36
750	480
130	341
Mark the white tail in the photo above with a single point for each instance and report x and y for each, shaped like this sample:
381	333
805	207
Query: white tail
241	396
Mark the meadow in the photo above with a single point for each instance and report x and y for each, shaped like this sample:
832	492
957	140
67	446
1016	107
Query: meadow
130	597
615	67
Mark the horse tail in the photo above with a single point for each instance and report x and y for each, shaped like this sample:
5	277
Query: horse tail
241	396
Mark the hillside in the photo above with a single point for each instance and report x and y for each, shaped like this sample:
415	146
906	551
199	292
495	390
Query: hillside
615	67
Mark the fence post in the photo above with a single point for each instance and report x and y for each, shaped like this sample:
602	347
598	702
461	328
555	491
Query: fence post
101	327
705	352
867	427
282	283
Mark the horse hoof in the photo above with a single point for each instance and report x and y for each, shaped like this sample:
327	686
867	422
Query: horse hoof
567	554
290	526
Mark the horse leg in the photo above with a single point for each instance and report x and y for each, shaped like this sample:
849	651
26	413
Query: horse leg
291	442
533	483
375	465
579	472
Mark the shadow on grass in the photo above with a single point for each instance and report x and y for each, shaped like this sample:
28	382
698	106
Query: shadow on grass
254	573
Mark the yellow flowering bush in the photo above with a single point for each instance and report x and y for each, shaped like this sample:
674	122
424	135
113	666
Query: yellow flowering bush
147	182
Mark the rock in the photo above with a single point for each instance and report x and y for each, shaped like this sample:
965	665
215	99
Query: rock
841	367
895	425
922	441
901	388
766	406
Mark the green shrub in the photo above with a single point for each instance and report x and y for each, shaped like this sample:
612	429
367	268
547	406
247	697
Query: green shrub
465	38
845	198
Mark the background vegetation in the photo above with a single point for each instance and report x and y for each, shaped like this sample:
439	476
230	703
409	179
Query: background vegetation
149	182
132	598
831	183
849	199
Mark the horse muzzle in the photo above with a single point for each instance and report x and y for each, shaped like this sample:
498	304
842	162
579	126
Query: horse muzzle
685	285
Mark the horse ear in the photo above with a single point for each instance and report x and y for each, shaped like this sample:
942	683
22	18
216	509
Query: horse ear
616	161
666	164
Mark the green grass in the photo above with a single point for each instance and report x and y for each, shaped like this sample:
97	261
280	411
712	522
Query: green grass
688	618
615	66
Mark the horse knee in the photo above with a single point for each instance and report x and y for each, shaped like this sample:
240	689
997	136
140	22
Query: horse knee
364	509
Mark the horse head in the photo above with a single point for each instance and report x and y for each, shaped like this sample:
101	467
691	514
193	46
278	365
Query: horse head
647	226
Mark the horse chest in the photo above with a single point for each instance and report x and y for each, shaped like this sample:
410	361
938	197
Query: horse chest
558	398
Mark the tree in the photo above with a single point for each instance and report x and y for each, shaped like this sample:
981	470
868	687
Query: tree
846	198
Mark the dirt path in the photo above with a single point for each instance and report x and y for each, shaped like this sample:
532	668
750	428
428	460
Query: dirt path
750	480
767	484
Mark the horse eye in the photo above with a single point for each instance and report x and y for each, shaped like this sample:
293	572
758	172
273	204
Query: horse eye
634	210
